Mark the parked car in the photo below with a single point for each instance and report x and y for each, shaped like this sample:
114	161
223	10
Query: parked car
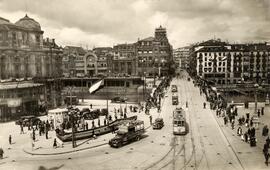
119	100
28	120
158	124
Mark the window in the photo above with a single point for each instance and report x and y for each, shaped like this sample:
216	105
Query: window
223	63
38	39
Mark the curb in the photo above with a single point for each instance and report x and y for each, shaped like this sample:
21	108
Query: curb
65	152
72	151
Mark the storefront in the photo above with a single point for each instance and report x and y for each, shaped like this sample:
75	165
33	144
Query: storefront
19	99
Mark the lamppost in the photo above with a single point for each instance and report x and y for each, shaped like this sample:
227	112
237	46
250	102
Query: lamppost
256	97
70	95
143	75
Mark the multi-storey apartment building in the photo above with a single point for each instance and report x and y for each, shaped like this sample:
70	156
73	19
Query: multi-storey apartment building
28	65
225	63
181	56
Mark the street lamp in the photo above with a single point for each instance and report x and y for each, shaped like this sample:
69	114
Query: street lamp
256	97
70	95
143	75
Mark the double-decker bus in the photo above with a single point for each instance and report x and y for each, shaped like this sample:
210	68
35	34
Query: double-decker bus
179	122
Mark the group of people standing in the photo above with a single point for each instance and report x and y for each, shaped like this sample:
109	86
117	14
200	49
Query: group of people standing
229	114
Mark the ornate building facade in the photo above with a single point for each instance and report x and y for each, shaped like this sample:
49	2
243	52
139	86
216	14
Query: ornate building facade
27	63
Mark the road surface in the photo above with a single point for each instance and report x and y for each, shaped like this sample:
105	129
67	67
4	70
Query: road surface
204	147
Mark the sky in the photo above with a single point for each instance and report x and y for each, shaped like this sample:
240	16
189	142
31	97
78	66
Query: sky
96	23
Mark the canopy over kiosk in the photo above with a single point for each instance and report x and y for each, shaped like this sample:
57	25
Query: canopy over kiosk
57	116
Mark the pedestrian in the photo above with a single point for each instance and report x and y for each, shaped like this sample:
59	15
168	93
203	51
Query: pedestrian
266	153
232	124
34	135
265	131
10	139
93	123
225	120
204	105
239	131
150	117
54	143
21	126
259	113
246	136
91	106
99	122
46	134
1	153
262	112
86	126
186	104
251	123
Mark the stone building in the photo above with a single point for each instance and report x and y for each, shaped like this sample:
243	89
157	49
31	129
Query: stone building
154	55
104	55
30	69
223	63
124	60
73	61
181	56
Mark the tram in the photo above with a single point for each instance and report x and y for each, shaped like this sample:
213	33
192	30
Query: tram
179	122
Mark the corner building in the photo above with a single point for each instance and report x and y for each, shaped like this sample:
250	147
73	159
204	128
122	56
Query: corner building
30	69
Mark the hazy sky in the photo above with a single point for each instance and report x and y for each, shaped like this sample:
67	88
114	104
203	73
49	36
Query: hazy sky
109	22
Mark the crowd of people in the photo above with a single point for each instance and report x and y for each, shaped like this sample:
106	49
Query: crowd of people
246	126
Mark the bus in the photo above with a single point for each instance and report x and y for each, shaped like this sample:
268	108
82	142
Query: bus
179	122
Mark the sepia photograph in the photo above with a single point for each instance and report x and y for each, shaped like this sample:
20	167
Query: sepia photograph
134	84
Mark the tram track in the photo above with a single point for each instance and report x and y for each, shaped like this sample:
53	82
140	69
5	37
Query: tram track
197	163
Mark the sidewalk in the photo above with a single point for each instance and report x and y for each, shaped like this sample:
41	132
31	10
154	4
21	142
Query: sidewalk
249	156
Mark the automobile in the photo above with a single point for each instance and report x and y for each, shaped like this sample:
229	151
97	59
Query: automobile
119	100
158	124
131	131
28	120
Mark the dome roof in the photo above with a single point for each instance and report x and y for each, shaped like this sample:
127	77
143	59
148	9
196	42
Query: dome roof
29	23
